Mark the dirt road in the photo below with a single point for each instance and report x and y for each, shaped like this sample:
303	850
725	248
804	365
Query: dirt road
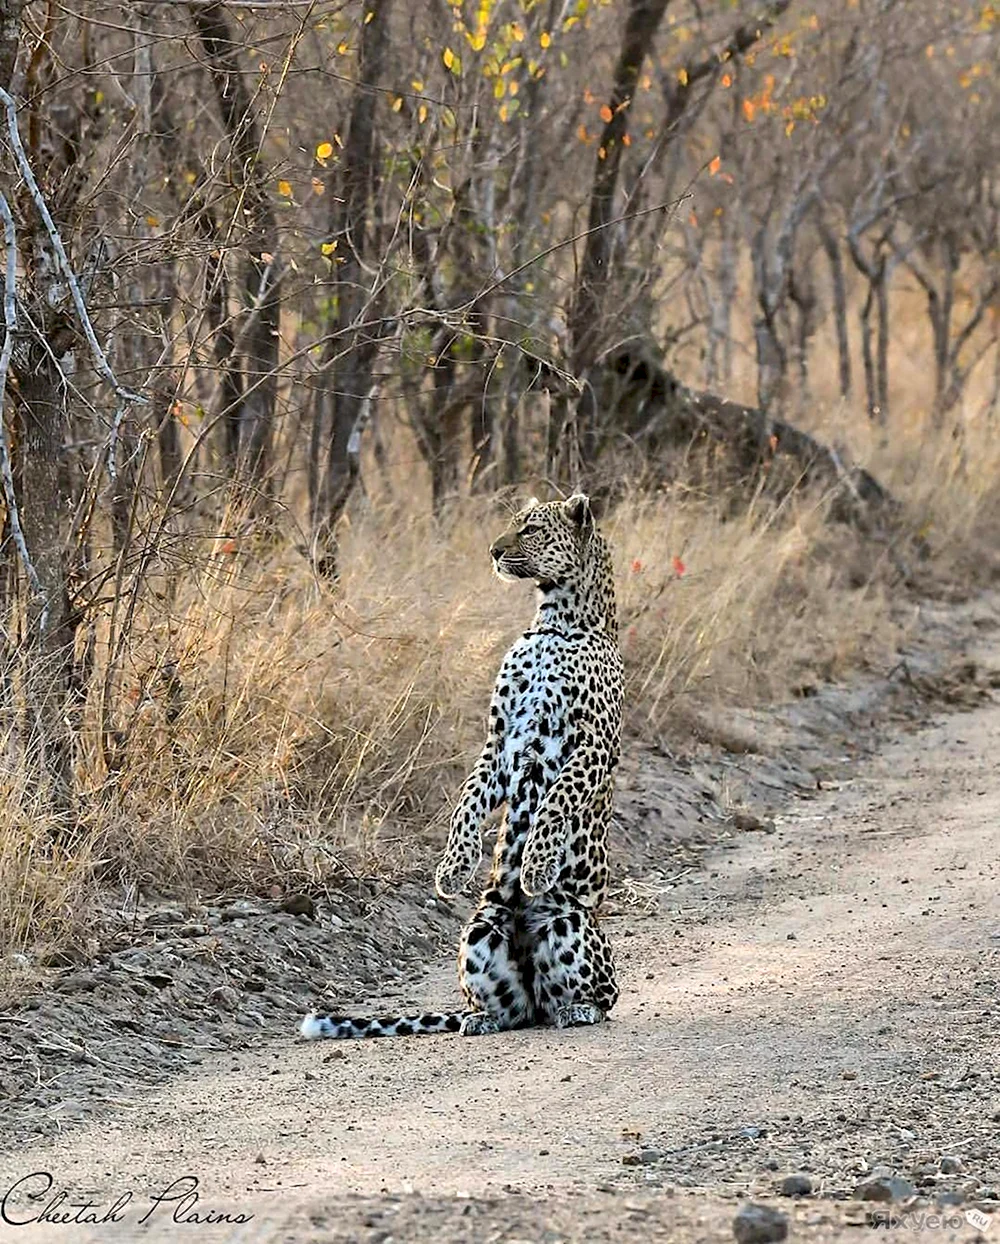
822	1000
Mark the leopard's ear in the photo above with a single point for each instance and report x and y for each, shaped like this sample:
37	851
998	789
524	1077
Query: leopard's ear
578	509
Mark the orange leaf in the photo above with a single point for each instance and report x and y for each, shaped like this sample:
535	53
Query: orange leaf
606	113
637	566
715	165
678	566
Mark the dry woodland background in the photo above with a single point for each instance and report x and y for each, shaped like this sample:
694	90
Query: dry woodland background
301	297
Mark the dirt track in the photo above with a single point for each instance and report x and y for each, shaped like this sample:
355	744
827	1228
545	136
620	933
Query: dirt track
823	999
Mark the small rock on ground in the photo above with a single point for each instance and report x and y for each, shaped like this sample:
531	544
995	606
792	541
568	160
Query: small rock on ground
884	1188
760	1224
796	1185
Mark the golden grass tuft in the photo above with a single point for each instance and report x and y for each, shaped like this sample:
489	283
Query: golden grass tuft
275	730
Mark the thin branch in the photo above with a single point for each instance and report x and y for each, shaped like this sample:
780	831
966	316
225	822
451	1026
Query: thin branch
126	396
6	470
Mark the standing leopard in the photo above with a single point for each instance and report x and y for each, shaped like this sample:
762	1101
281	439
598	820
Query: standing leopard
533	952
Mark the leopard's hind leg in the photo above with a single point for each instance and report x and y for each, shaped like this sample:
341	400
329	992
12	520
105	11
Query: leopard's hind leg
489	973
573	972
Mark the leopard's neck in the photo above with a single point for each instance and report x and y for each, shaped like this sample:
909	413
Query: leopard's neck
583	602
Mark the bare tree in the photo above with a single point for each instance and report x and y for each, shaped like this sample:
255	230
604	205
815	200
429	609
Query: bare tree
354	330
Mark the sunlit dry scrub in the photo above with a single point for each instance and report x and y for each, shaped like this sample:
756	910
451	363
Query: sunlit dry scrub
275	729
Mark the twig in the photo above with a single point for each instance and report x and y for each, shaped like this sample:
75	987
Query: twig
126	396
6	470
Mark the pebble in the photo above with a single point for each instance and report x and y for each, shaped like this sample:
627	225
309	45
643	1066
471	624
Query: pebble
884	1188
224	996
298	905
951	1165
796	1185
760	1224
642	1157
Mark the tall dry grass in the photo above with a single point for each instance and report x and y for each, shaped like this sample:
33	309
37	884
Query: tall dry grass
276	731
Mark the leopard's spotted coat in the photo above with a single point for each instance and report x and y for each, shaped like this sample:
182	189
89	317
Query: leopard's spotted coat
533	952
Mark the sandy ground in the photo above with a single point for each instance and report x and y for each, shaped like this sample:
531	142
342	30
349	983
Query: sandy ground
824	999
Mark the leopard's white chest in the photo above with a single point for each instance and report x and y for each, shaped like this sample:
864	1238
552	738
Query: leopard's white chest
533	706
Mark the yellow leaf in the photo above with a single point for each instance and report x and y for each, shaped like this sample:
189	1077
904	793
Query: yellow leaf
682	77
503	113
152	221
343	47
448	56
285	189
324	151
499	88
417	84
545	39
477	41
397	103
422	113
517	32
714	166
328	247
369	15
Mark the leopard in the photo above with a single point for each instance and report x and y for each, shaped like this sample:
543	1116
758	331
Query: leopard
533	952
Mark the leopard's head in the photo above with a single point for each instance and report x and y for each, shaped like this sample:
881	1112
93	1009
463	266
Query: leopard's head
546	541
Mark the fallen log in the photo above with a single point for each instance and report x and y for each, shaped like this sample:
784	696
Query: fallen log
652	409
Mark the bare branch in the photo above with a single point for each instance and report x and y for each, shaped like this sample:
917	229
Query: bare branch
125	396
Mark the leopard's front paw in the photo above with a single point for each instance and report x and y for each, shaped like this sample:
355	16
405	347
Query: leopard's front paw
539	873
453	875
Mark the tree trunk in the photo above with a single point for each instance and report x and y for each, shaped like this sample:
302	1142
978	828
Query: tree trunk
47	651
250	413
587	318
882	294
772	360
345	391
839	288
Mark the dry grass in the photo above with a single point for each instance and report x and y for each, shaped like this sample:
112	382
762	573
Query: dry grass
310	729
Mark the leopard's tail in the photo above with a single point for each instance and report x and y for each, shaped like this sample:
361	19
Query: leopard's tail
345	1028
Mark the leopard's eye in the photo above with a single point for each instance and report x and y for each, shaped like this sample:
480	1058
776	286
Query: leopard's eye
529	528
